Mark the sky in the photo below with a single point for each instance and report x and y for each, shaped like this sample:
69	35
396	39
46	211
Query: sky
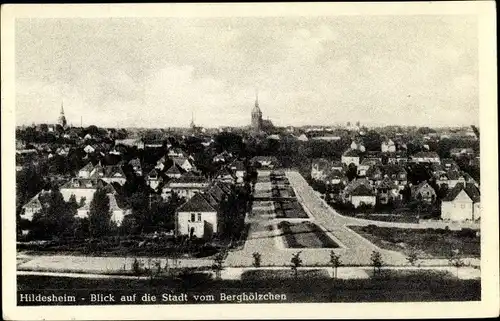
158	72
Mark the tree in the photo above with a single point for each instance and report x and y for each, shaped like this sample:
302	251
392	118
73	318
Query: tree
376	259
335	262
455	260
256	259
99	214
352	172
56	217
412	257
218	265
296	263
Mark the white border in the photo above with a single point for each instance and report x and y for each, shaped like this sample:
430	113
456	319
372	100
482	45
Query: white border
489	306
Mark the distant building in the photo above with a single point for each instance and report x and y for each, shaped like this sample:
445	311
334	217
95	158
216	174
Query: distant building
425	157
257	123
462	203
351	156
62	119
423	192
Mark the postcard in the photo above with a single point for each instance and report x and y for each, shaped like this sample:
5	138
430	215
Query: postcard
253	160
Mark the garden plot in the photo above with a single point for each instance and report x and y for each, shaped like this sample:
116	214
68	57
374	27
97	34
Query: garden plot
305	235
289	209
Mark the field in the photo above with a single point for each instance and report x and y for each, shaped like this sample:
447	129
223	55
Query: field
305	235
394	288
432	243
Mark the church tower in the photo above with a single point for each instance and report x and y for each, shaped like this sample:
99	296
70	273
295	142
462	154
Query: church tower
256	115
62	119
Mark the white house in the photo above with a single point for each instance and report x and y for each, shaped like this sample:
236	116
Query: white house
362	195
89	149
197	217
351	156
185	186
425	157
462	203
388	146
184	163
85	171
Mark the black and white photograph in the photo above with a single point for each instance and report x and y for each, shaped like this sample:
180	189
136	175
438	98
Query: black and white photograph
256	156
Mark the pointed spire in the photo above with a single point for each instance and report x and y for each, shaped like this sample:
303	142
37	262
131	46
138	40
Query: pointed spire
62	108
257	97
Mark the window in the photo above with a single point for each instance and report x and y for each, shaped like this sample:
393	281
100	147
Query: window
199	217
192	217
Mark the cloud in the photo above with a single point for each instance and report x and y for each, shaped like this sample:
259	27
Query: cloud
155	72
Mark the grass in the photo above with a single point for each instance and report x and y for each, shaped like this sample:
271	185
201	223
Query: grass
414	288
433	243
305	235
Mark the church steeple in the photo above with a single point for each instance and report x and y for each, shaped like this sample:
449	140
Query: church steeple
256	114
62	119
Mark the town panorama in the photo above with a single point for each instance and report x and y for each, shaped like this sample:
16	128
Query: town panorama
344	213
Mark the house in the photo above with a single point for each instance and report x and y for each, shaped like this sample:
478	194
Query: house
424	192
362	194
386	190
84	188
85	171
223	157
114	174
31	208
397	174
117	212
153	179
388	146
335	177
186	186
320	168
135	163
374	174
303	138
130	142
425	157
87	137
239	170
184	163
337	166
351	156
174	171
449	164
89	149
197	217
225	175
399	157
459	152
176	152
450	178
366	164
358	145
462	203
265	161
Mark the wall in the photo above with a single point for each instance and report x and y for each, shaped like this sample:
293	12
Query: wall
184	224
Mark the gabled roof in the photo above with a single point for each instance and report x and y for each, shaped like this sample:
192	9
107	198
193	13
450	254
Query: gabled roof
416	188
386	183
153	172
352	153
362	190
34	202
189	177
87	167
174	169
272	159
470	189
197	203
112	170
179	160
